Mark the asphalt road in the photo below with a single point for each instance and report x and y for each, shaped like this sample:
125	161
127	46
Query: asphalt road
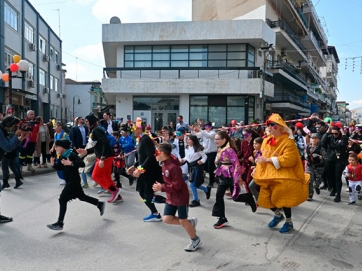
327	235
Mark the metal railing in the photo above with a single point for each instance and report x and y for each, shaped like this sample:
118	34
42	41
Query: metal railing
300	12
319	21
182	73
284	25
288	68
288	98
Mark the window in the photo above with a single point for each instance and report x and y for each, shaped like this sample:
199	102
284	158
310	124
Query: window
215	55
221	109
51	82
41	77
51	53
42	45
56	83
29	33
8	57
31	71
56	60
11	16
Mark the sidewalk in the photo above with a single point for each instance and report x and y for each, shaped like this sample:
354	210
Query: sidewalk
26	173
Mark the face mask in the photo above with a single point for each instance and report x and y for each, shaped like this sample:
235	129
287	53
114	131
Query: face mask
178	134
207	127
246	135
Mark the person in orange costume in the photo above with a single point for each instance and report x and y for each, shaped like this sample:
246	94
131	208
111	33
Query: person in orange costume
280	175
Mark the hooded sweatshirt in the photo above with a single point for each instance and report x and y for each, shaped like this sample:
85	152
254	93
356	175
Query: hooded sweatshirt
177	193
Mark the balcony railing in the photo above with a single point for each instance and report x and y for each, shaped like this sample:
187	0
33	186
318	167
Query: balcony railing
300	12
318	20
288	68
288	98
183	73
283	25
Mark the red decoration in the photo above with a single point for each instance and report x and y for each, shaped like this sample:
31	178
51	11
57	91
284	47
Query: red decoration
14	67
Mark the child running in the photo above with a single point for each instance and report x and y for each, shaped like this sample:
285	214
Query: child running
354	174
254	188
69	163
195	157
177	195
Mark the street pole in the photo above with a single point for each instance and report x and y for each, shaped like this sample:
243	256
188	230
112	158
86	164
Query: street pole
73	109
10	87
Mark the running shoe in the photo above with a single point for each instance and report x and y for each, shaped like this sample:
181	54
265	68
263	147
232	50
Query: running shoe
222	222
193	245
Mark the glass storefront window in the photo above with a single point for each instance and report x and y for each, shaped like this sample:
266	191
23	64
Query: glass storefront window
198	100
221	109
156	103
236	100
236	113
197	112
217	114
198	48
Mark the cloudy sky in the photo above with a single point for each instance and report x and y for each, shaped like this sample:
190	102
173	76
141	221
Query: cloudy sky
81	32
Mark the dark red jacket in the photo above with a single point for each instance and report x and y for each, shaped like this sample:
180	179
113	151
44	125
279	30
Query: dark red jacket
177	193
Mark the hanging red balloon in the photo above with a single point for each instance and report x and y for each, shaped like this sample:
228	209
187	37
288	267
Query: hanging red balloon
14	67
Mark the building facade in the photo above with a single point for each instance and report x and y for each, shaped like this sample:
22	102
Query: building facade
24	32
235	60
82	98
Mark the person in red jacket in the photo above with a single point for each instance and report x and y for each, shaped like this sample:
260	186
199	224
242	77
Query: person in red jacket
28	145
177	195
353	172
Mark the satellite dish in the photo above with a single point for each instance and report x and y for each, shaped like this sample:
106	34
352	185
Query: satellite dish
115	20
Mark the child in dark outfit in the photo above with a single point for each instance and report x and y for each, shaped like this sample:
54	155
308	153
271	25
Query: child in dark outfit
177	195
69	163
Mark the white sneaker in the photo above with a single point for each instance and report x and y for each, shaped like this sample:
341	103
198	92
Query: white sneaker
62	182
193	245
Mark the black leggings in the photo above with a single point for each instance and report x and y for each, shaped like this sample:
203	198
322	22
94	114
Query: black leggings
210	167
287	211
219	207
63	201
334	171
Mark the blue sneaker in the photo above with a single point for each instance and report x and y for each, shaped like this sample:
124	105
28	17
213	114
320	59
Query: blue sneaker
276	220
152	218
287	228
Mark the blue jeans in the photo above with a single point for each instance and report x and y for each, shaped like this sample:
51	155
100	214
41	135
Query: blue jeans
194	190
14	166
84	177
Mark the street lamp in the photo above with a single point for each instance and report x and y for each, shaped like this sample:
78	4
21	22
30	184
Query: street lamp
74	103
18	65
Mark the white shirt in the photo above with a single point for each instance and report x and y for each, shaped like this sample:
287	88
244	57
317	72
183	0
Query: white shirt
207	140
109	128
191	155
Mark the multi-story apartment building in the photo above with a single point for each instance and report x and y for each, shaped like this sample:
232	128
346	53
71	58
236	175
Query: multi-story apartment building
235	60
24	32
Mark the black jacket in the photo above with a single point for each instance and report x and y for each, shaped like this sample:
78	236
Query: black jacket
337	147
102	147
71	173
76	137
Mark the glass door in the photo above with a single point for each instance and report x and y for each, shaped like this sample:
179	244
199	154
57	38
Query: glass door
163	118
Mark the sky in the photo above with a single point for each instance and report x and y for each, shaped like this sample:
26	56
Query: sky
81	32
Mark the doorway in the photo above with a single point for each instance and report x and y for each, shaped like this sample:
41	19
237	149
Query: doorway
163	118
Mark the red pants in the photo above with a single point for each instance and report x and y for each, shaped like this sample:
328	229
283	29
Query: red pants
103	176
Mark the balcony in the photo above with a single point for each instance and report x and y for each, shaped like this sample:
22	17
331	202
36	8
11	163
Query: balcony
300	12
181	73
315	50
288	68
288	98
331	79
315	23
286	28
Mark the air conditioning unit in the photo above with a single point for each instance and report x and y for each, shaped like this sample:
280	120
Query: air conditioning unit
46	90
32	47
31	84
46	58
59	67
